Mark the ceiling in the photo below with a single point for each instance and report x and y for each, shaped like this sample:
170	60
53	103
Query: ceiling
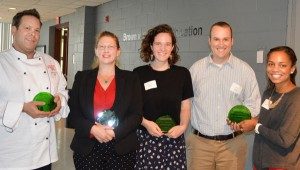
48	9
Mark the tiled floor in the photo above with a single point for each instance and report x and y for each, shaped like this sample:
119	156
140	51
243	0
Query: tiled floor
64	138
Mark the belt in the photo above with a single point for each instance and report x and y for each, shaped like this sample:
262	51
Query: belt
218	137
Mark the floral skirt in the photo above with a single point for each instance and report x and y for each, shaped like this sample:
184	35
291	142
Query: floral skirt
160	153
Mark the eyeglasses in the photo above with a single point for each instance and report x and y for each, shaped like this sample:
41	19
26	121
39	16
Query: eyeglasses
109	47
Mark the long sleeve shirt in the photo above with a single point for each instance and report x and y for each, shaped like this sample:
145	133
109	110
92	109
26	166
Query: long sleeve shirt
277	144
25	142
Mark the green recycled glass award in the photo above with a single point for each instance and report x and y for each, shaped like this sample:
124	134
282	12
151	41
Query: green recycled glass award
48	98
107	117
165	123
239	113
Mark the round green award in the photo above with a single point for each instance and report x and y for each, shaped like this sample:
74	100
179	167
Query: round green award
239	113
48	98
165	123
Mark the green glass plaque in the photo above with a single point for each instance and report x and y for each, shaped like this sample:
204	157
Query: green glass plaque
239	113
48	98
165	123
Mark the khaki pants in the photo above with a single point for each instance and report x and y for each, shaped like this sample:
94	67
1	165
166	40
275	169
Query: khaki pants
206	154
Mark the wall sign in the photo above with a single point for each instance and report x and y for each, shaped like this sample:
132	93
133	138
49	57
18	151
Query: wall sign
190	31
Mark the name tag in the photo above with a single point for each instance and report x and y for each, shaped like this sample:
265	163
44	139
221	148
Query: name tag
235	88
266	104
150	85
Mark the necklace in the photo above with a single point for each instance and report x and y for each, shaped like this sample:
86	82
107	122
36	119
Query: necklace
273	105
105	79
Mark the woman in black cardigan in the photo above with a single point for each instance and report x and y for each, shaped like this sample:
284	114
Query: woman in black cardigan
106	87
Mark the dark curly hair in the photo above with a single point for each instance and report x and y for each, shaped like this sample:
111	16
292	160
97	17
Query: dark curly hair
292	56
146	53
30	12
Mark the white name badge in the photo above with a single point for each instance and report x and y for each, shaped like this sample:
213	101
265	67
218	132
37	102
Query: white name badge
266	104
150	85
236	88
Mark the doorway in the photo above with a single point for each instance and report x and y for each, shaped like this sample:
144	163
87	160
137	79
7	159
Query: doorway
58	45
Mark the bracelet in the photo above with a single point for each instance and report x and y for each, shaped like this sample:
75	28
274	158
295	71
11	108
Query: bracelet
256	128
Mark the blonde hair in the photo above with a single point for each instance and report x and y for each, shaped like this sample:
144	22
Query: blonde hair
95	63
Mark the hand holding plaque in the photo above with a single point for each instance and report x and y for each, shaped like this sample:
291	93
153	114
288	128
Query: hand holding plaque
239	113
48	98
165	123
107	117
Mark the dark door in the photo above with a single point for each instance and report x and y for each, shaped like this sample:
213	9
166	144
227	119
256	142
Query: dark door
58	45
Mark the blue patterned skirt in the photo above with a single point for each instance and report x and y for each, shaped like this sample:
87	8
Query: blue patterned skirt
160	153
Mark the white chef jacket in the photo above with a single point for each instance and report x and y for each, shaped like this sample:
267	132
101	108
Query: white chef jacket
25	142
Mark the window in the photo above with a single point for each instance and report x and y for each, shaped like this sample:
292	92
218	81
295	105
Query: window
5	36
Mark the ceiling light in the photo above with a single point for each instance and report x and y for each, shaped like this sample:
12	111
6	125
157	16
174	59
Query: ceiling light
12	8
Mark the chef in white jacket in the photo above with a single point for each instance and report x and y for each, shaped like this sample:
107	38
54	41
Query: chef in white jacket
27	135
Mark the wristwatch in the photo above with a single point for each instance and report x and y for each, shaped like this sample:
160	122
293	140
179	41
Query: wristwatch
256	128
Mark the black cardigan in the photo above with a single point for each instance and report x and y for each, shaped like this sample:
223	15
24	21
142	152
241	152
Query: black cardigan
127	106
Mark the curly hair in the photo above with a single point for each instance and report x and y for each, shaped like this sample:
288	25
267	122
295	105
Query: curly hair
292	56
30	12
146	52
